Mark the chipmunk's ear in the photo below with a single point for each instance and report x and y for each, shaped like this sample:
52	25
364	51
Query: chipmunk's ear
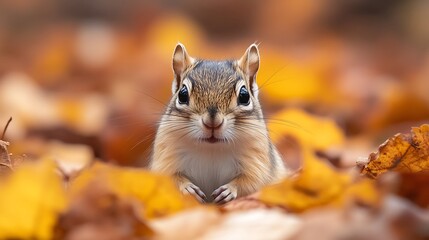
249	64
181	61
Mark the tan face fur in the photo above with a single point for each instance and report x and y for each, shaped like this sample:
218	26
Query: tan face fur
213	113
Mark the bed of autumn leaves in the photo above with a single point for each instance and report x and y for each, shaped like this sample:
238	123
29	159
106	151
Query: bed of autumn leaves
344	93
387	197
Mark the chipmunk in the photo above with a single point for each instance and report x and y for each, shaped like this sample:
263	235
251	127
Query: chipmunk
213	138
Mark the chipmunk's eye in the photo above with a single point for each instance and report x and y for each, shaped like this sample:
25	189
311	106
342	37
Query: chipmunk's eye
243	96
184	95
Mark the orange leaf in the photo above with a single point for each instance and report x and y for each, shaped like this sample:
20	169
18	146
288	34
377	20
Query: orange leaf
402	153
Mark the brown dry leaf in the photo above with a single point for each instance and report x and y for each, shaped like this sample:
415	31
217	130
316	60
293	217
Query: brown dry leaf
30	201
157	193
319	184
5	163
402	153
98	213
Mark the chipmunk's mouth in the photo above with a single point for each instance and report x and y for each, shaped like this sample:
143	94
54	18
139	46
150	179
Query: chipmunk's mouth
213	139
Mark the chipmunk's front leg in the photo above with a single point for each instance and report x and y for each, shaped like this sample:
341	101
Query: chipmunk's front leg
240	186
187	187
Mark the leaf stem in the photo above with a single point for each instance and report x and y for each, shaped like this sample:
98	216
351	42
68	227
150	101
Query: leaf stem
5	128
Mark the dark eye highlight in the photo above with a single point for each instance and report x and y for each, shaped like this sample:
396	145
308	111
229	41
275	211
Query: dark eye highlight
183	95
243	96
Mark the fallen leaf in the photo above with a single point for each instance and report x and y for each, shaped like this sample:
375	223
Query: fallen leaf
362	191
354	223
5	163
31	198
86	114
294	79
251	224
157	193
29	108
313	132
187	224
395	219
319	184
255	224
98	213
402	153
69	157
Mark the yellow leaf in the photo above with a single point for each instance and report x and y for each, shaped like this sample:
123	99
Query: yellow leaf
158	194
167	32
31	199
363	191
86	114
318	184
311	131
307	78
283	79
404	153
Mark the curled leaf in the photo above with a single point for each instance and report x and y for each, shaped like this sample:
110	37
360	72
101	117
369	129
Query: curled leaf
403	153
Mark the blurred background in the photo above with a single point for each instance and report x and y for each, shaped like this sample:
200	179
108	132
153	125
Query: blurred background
92	78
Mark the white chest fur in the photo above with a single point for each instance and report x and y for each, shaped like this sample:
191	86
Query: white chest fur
209	167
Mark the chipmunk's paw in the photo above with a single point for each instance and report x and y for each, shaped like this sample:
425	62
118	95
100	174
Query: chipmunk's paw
190	188
224	194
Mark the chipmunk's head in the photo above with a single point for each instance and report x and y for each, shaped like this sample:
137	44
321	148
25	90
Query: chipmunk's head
214	101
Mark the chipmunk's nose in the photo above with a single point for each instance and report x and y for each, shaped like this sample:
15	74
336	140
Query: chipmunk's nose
212	119
213	124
